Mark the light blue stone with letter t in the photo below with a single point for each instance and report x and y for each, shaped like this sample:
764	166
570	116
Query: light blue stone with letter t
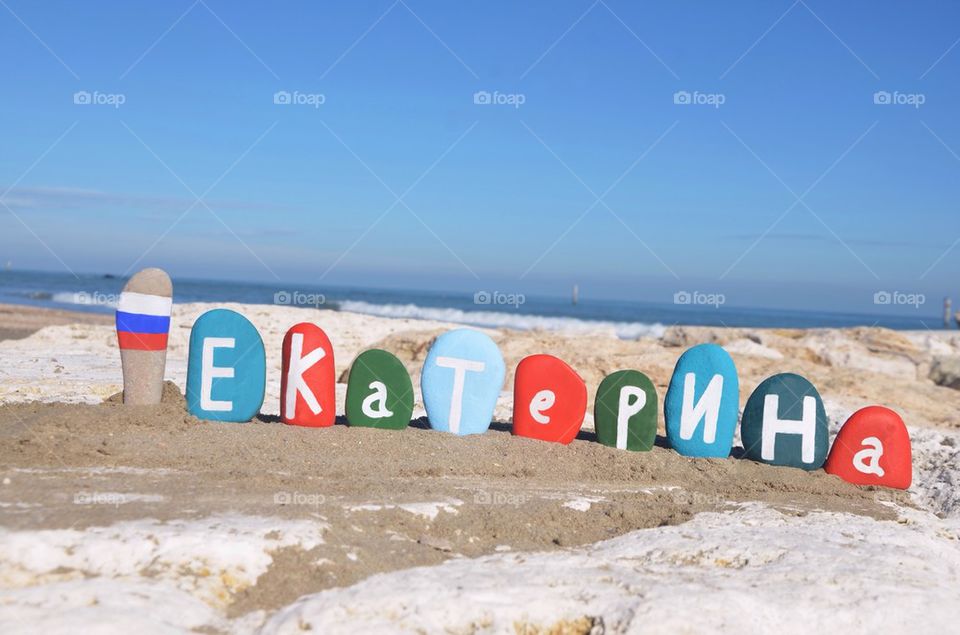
461	380
227	369
703	402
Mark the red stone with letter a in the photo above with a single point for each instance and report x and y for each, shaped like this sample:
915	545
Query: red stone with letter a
872	448
308	381
549	399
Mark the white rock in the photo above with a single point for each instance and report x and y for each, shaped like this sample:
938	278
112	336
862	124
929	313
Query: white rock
746	346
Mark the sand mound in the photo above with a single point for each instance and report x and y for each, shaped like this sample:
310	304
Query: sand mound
172	396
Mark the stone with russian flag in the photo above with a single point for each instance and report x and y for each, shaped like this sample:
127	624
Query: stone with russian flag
307	380
872	448
549	399
226	369
143	325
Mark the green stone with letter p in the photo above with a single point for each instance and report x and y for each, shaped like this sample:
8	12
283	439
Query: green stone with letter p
379	392
625	411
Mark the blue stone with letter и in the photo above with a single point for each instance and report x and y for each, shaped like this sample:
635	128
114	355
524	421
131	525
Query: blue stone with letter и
703	402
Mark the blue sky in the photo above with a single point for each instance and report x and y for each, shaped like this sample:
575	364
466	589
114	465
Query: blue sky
797	190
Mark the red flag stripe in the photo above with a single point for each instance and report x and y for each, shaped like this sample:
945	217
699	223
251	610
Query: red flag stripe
142	341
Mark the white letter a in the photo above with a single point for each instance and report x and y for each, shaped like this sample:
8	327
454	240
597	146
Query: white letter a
867	460
375	404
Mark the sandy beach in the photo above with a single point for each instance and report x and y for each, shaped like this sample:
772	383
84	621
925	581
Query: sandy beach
677	283
152	519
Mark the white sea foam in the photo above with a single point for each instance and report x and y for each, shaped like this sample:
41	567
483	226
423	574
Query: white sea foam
496	319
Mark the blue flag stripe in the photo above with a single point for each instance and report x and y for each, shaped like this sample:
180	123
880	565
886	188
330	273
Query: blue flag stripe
139	323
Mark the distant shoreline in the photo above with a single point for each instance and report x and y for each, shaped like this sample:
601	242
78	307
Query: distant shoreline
486	306
18	321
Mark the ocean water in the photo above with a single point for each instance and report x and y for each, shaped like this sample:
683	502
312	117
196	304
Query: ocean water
629	319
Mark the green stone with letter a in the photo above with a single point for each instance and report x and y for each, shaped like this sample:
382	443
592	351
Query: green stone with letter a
625	411
379	392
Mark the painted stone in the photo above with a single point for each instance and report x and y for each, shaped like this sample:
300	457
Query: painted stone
226	369
625	411
703	402
784	423
873	448
461	380
143	324
379	392
549	399
308	394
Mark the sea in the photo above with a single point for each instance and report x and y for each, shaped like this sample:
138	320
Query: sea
629	319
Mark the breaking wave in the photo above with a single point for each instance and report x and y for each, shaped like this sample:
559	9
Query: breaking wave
502	319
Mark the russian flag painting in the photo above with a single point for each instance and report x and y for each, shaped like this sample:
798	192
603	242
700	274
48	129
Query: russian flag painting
143	321
143	325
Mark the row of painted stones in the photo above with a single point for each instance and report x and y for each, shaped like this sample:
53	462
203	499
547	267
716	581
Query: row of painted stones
783	422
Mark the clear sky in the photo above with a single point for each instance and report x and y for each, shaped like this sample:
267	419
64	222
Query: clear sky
781	183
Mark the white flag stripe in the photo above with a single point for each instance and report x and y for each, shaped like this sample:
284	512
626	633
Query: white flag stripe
144	304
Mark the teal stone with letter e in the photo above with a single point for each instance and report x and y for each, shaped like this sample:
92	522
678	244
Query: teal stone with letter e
226	370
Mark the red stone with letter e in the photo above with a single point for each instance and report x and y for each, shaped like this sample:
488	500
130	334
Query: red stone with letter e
549	399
